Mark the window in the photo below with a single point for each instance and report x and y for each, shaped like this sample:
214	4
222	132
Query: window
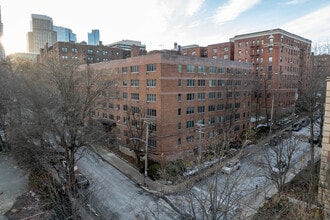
220	107
240	44
211	120
179	111
270	49
201	69
66	58
151	67
179	141
213	70
211	108
220	96
135	83
211	95
124	69
190	139
270	68
179	68
229	106
190	110
270	59
125	96
151	112
212	82
89	51
214	50
179	97
190	82
239	53
237	94
151	82
135	110
225	49
190	124
225	57
201	96
229	94
105	53
179	82
190	96
201	109
221	82
201	82
237	105
134	69
190	68
152	142
64	49
74	50
179	125
135	96
229	82
221	70
151	97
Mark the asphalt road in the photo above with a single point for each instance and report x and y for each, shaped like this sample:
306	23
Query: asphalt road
114	196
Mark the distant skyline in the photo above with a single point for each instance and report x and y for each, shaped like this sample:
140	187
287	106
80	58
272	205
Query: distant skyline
160	23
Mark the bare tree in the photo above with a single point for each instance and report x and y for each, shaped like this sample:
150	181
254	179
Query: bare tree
278	160
56	101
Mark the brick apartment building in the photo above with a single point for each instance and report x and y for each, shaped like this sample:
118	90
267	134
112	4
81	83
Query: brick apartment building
180	93
281	62
84	53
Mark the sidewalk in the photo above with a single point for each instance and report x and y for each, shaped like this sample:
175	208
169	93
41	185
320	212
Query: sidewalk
128	170
152	186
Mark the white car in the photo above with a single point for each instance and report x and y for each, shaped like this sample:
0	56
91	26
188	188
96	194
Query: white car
231	166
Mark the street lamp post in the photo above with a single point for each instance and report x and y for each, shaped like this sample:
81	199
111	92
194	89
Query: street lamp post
146	150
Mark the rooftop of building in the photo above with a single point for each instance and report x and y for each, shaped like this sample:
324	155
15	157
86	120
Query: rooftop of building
269	32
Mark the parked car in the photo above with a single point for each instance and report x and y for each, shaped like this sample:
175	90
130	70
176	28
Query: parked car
231	166
305	122
81	181
296	126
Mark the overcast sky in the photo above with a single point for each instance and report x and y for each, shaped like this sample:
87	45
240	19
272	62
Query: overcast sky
160	23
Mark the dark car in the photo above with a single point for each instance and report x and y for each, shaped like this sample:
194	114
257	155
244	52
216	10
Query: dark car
81	181
296	126
305	122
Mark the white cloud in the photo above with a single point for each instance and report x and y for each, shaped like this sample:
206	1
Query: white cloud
233	9
314	25
294	2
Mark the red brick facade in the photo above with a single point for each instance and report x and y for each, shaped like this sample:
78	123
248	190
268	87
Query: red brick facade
181	91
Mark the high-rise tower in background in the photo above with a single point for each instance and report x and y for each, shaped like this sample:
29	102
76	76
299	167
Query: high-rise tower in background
41	33
65	34
2	49
94	37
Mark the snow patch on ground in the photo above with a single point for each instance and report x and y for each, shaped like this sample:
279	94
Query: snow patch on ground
13	182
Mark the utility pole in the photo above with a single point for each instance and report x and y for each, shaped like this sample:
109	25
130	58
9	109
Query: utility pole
200	132
148	122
